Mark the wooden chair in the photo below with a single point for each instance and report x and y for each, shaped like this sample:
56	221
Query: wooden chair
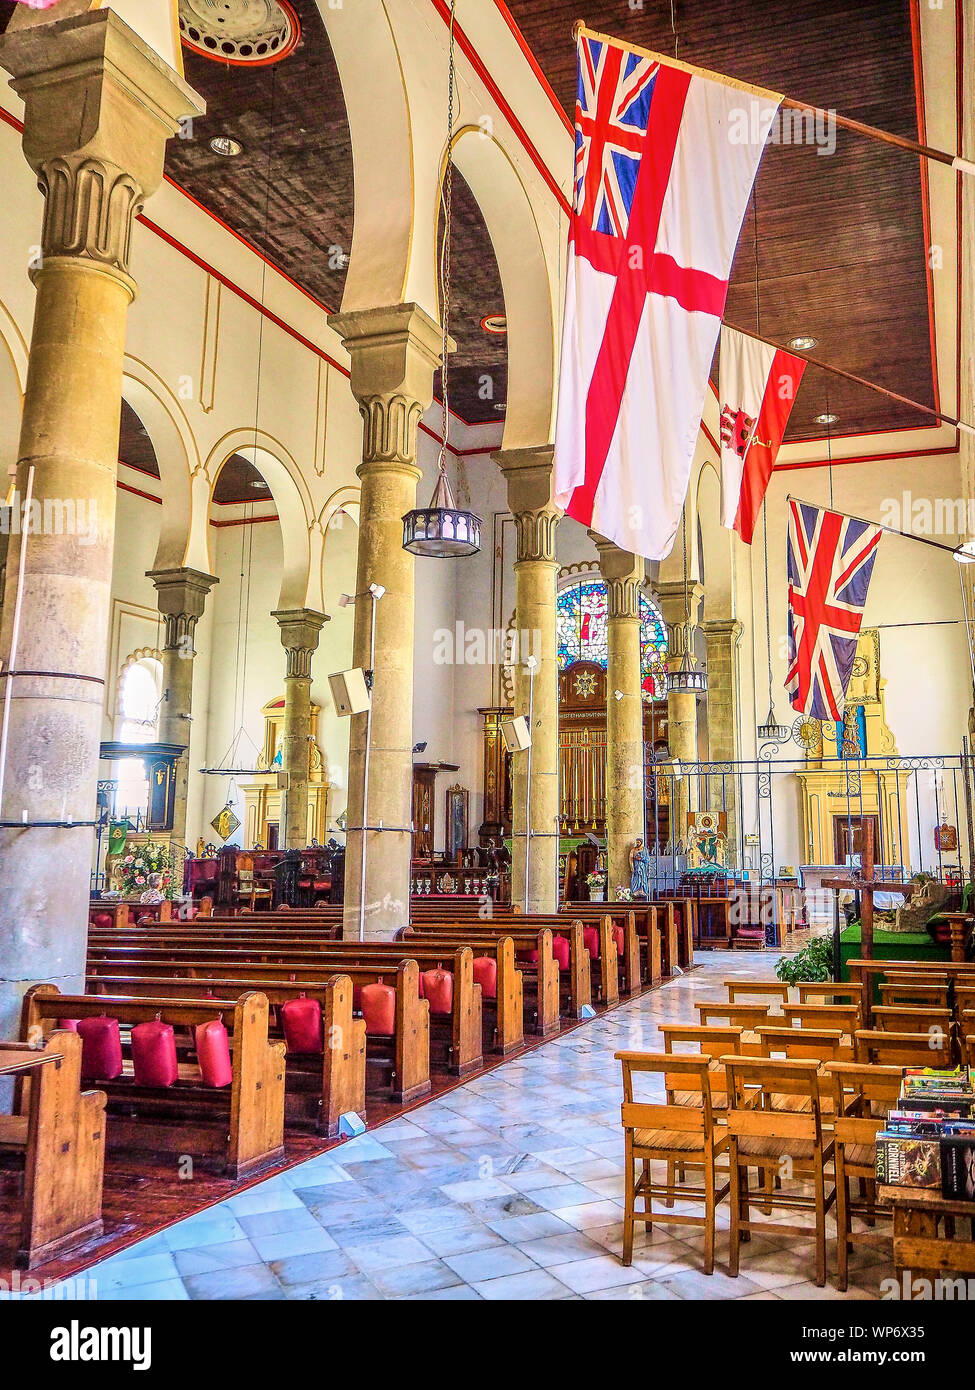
846	1017
824	1044
671	1134
815	992
899	1018
933	996
756	989
781	1142
964	1000
878	1047
732	1015
862	1096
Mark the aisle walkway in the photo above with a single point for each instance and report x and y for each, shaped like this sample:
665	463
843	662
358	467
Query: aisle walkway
509	1187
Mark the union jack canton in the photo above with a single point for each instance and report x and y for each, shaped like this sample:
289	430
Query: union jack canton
831	560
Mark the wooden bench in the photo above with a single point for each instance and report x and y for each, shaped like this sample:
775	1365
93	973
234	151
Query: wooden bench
407	1048
193	1118
462	1042
668	944
58	1131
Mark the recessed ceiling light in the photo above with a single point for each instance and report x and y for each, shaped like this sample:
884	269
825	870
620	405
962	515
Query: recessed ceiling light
827	418
500	406
226	145
496	324
802	342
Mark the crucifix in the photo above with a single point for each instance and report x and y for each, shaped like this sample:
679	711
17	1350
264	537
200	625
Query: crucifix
862	881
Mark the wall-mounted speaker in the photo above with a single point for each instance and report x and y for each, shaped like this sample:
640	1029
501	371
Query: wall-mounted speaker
350	694
515	734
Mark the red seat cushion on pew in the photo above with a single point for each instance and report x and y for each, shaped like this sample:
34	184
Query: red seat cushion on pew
379	1010
101	1049
213	1052
560	950
102	919
590	939
486	975
304	1030
70	1025
437	986
618	938
154	1054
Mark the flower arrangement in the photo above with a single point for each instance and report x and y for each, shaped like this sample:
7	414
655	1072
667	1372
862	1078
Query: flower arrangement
596	879
623	895
146	867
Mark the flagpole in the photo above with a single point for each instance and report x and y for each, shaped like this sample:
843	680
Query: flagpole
858	380
891	530
872	132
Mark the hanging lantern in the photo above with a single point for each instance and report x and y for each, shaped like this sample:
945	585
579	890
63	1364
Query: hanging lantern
688	679
441	530
770	732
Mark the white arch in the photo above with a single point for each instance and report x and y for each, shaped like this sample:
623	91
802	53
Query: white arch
300	580
177	455
510	219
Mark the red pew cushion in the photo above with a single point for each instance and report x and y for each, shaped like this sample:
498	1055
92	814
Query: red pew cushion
618	938
590	939
70	1025
304	1030
379	1009
213	1053
486	975
437	986
102	919
154	1054
101	1049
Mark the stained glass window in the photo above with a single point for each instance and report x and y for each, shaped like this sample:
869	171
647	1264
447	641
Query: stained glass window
581	632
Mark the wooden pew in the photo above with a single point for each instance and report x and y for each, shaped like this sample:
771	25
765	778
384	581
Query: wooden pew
539	1010
607	966
59	1131
656	926
193	1118
260	962
318	1091
529	937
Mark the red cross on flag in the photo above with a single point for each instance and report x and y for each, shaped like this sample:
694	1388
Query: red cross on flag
757	390
665	161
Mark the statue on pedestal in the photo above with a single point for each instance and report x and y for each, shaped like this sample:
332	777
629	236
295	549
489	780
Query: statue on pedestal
639	870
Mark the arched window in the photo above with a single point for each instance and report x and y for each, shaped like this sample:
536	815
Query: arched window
137	721
581	632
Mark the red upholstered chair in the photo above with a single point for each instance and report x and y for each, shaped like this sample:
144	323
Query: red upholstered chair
213	1053
154	1054
304	1030
379	1010
437	986
101	1049
486	975
590	939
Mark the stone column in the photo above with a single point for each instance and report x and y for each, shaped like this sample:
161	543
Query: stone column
182	595
99	108
394	352
624	573
300	631
528	474
681	708
722	636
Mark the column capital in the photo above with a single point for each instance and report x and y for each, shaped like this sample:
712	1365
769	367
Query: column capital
624	574
723	627
181	596
670	597
395	352
300	630
528	475
100	105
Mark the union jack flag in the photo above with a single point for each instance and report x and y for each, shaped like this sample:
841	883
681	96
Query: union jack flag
831	560
612	113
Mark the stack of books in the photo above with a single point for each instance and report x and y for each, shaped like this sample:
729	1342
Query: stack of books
929	1139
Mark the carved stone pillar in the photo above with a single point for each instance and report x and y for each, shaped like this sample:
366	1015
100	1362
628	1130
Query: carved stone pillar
300	631
99	108
681	707
625	810
182	595
528	474
394	353
722	636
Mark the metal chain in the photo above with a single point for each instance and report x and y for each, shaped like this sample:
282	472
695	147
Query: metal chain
447	198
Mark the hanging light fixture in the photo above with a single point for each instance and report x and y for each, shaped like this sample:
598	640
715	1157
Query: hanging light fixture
443	530
688	678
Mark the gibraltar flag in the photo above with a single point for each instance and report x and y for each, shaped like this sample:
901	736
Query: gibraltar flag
758	385
663	173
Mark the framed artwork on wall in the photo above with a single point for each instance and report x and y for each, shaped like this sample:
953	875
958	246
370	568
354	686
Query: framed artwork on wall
458	798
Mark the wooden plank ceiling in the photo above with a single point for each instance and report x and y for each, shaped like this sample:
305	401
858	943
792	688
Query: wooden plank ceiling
840	244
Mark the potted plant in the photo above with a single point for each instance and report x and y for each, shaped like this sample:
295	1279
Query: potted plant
596	883
814	962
